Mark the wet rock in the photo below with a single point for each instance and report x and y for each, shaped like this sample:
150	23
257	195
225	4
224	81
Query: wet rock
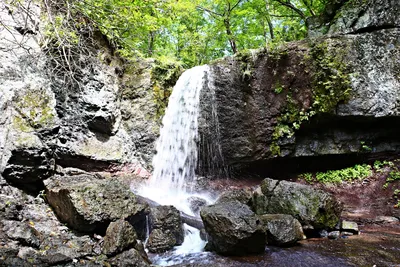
312	207
349	226
242	195
89	204
281	229
334	235
233	229
166	229
120	236
128	258
196	203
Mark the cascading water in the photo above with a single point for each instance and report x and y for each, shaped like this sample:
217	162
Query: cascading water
176	160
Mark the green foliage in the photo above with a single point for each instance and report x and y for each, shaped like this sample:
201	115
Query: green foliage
394	175
358	172
165	72
331	80
331	86
197	31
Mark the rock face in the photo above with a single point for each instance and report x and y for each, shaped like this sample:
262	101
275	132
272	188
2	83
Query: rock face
285	114
233	229
104	117
88	204
315	209
281	229
166	229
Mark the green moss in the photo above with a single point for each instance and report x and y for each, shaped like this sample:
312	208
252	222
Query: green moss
164	73
34	110
331	86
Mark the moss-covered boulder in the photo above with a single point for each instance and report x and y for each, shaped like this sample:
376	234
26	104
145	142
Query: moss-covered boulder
89	204
314	208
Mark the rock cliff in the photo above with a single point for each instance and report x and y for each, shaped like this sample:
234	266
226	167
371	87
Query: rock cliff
332	99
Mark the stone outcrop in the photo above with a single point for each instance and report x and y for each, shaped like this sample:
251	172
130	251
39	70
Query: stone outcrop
315	209
89	204
233	229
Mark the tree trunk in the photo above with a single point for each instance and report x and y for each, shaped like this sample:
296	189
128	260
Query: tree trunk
231	39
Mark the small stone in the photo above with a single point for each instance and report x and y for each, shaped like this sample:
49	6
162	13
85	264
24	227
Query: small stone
386	219
334	235
323	233
349	226
346	234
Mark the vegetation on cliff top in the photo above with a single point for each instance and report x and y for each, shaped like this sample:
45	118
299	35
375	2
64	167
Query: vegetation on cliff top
192	31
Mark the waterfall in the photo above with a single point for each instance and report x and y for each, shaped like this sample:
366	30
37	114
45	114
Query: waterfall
176	159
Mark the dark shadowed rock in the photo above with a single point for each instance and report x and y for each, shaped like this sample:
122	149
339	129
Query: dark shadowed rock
89	204
314	208
120	236
166	229
233	229
281	229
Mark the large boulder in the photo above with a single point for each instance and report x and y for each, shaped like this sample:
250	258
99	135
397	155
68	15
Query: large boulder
281	229
166	229
89	204
314	208
233	229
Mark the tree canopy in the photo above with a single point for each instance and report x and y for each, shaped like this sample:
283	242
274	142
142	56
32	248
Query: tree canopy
197	31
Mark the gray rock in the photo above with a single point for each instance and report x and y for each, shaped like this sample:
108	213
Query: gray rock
386	219
349	226
120	236
281	229
242	195
130	258
166	229
334	235
89	204
23	232
312	207
233	229
358	16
